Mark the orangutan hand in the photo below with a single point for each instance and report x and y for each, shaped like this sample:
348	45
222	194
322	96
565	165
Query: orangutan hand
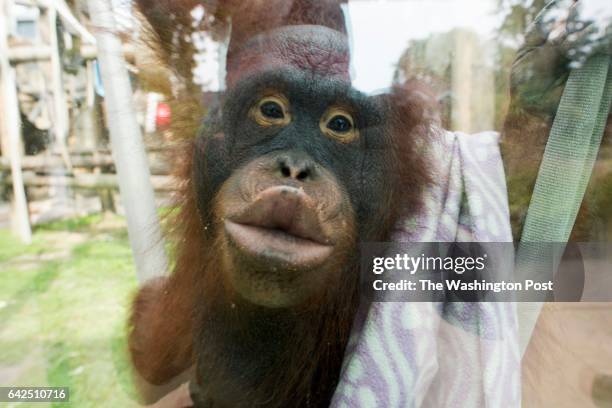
563	36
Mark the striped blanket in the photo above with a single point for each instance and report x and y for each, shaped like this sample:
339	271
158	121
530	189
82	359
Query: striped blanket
442	354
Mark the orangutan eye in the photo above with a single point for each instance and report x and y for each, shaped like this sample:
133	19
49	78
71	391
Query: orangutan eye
340	124
337	123
271	111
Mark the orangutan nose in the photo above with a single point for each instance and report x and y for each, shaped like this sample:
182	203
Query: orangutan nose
297	166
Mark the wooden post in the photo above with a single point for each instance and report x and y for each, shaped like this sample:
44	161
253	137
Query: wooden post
4	141
462	81
128	148
59	96
20	220
473	85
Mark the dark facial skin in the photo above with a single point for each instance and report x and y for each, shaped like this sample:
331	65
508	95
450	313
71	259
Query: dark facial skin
308	181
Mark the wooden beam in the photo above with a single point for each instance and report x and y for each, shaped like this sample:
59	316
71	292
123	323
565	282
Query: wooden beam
90	181
29	3
41	163
71	22
44	163
26	53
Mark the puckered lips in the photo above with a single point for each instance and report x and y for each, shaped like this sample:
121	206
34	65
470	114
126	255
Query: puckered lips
282	225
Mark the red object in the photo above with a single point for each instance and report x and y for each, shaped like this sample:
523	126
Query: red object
163	116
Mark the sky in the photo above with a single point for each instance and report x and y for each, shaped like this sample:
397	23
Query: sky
381	29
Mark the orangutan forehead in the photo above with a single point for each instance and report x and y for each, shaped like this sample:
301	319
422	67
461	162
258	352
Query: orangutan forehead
312	49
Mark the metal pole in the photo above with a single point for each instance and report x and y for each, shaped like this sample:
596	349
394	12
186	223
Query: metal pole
128	148
20	219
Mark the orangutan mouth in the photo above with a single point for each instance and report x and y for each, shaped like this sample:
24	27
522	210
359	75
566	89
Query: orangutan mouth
281	224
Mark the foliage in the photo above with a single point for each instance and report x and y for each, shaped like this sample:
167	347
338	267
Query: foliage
517	15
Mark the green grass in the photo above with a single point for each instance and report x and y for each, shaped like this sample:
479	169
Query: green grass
63	306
